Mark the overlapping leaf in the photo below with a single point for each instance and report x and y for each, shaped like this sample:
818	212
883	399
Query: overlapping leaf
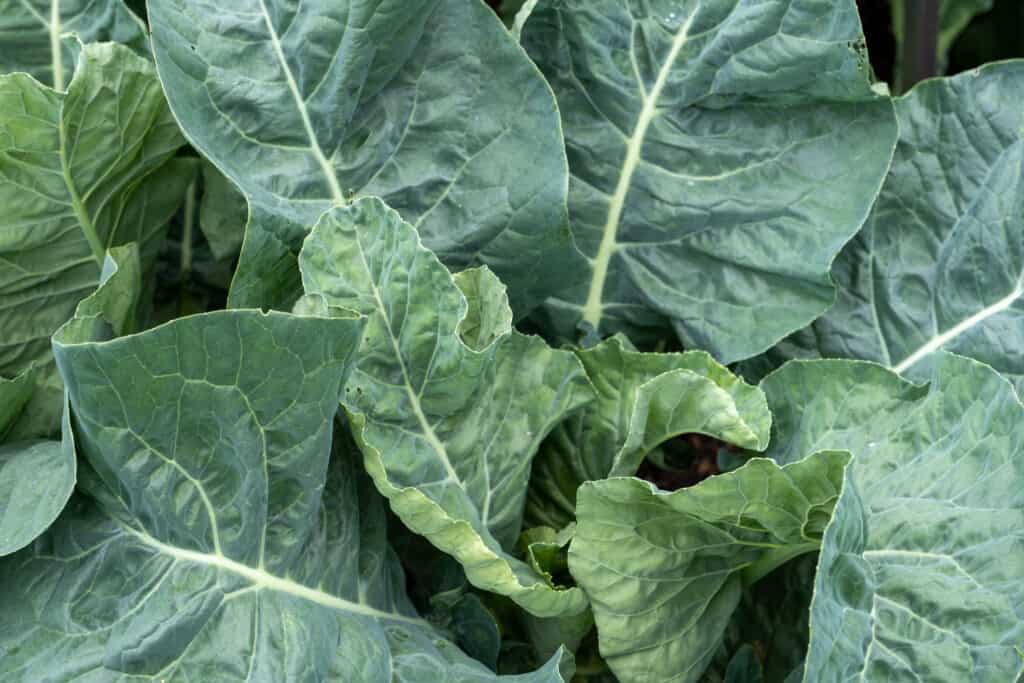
721	154
940	263
220	541
31	34
664	571
37	476
429	104
921	575
79	172
643	399
449	404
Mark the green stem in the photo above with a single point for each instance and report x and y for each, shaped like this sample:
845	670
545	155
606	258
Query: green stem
185	262
185	266
774	559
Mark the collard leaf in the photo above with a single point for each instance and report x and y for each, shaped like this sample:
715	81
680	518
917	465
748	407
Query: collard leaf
429	104
921	575
37	476
223	213
36	481
31	31
446	432
221	541
81	172
721	154
14	396
643	399
664	571
940	265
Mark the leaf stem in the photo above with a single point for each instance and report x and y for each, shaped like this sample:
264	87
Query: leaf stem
919	59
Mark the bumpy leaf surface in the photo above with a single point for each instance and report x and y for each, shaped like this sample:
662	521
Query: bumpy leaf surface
721	154
79	173
37	476
31	31
921	576
664	571
940	262
643	399
429	104
221	540
449	429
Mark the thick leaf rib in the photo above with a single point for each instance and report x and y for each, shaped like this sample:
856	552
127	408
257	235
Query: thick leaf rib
921	568
83	171
428	104
939	264
449	429
219	537
720	155
31	33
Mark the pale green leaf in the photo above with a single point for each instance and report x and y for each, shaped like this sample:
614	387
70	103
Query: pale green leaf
447	434
79	173
721	154
429	104
664	571
37	476
921	576
643	399
940	264
31	30
221	540
14	396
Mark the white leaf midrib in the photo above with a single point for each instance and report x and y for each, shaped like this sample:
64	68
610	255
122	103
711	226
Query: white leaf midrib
300	104
265	580
593	308
939	341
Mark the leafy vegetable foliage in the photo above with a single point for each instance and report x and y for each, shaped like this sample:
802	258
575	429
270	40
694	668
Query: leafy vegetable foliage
82	171
939	264
378	477
434	406
427	104
31	34
920	566
721	154
232	534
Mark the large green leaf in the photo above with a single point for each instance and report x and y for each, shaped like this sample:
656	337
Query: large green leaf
429	104
664	571
31	30
79	172
921	576
449	428
643	399
721	154
221	541
940	263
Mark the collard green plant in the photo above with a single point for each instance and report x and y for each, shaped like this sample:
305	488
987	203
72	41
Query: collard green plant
472	412
939	264
427	104
721	153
